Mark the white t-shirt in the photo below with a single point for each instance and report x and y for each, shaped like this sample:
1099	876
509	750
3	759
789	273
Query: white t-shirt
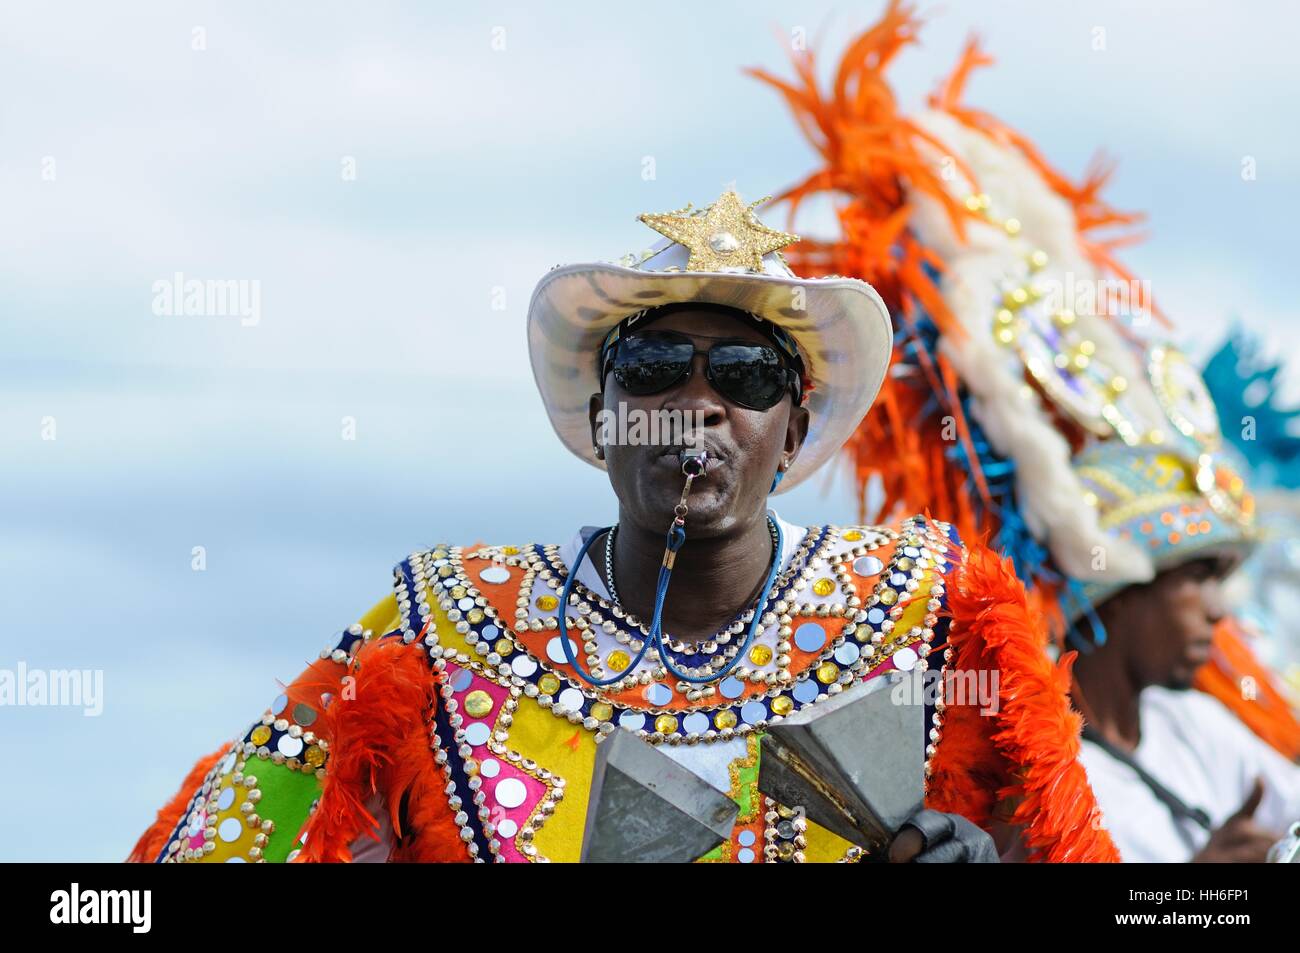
1200	751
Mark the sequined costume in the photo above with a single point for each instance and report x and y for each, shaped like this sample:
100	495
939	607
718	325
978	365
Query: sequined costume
446	725
449	725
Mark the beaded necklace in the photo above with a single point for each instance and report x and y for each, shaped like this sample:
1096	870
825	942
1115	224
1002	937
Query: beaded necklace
707	659
694	465
609	560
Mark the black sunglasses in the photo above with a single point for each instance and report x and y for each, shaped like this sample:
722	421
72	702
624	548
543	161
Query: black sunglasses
749	374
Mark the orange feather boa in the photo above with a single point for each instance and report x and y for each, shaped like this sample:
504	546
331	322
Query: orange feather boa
379	735
1028	752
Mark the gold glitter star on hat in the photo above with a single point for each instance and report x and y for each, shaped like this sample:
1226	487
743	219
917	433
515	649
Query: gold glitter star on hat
726	236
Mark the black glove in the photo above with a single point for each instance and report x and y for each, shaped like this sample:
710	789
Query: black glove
950	839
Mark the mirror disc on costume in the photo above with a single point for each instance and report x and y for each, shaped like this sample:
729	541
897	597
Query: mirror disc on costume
810	637
658	694
494	574
905	659
510	792
631	720
695	723
548	684
478	703
230	830
571	699
867	565
753	712
555	650
805	691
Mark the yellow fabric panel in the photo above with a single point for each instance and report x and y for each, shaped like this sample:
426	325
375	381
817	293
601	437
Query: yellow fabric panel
383	617
823	846
915	612
551	742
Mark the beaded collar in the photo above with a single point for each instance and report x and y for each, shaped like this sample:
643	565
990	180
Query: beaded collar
822	636
596	614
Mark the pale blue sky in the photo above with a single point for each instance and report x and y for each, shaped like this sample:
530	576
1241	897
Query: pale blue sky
477	169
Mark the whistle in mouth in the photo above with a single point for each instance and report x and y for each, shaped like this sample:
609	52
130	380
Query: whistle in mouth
694	462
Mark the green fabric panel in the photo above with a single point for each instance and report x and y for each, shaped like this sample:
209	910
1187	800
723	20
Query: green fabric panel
748	792
287	797
745	799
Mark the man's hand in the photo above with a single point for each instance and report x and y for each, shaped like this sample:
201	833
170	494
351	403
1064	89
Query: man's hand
1239	840
930	837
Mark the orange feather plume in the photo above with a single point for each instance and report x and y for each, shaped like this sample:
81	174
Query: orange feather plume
871	158
1034	736
379	735
1245	686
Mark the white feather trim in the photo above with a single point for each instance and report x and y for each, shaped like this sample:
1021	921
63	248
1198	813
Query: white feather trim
1010	412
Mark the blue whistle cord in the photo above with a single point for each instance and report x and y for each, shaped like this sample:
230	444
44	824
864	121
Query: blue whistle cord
676	538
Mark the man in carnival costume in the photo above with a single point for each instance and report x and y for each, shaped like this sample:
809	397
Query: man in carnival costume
455	721
1027	405
1265	594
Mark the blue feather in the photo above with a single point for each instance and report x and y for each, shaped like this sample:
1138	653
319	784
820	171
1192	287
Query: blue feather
1243	384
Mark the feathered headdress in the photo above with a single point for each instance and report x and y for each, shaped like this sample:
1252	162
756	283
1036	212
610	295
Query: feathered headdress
1031	401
